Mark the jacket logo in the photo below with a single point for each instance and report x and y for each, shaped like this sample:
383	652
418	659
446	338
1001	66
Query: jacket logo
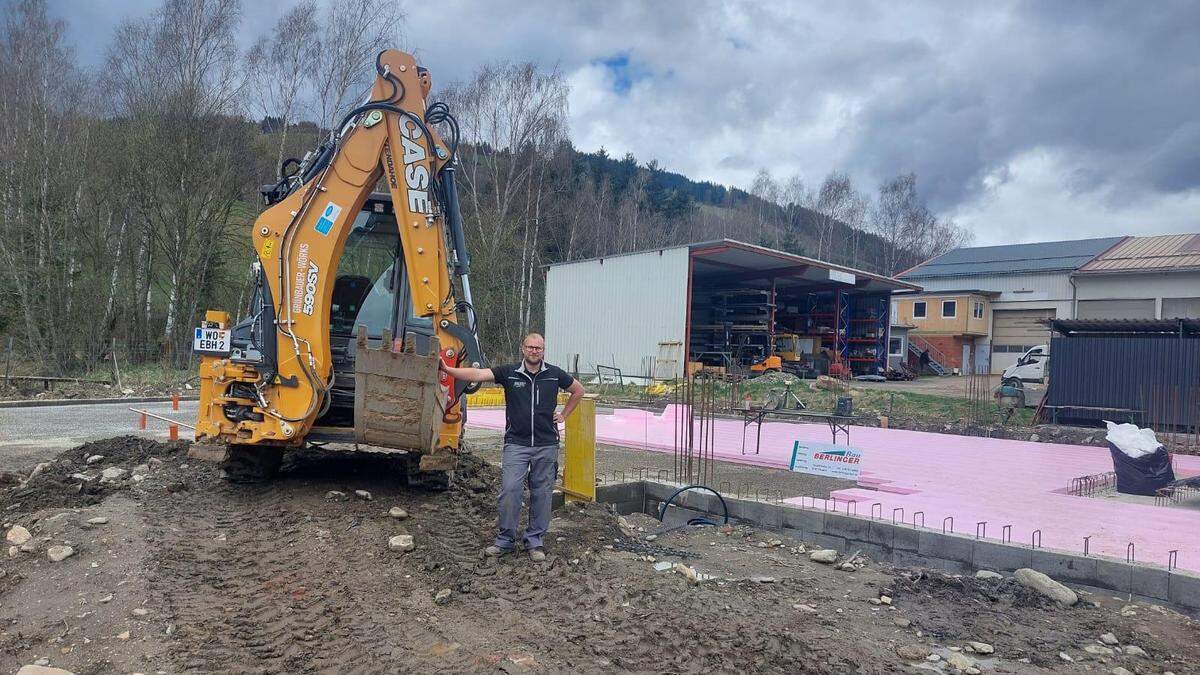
518	385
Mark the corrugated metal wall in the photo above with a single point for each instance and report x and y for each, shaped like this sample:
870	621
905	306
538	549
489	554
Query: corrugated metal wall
615	311
1159	377
1050	286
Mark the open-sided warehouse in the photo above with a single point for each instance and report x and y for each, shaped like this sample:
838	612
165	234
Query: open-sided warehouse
723	303
1145	371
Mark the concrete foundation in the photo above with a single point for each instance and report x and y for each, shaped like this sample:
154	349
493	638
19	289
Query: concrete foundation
908	545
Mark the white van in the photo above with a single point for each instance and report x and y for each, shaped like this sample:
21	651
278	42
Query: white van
1032	367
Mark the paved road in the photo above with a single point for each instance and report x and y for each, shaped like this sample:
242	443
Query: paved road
31	435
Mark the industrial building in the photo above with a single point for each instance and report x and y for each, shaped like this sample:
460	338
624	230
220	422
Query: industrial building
718	303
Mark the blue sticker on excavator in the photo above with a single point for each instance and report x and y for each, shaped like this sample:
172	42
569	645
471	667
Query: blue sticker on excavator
327	219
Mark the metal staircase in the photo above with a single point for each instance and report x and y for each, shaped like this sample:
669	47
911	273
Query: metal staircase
936	358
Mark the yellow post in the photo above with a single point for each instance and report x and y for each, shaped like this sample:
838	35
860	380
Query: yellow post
579	453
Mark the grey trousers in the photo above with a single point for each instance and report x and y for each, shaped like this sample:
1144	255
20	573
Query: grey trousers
540	465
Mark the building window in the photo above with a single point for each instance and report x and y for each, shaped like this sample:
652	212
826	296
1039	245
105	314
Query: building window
919	309
949	309
895	347
977	310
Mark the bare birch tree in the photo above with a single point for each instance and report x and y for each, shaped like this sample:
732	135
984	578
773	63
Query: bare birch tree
353	34
280	64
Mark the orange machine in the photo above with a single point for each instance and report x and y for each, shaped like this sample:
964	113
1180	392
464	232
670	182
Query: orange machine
354	342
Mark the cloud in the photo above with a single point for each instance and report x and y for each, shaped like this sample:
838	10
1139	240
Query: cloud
1081	108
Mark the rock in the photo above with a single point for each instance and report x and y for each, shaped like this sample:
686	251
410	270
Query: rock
972	670
336	496
42	670
847	567
825	556
763	580
401	542
93	459
140	470
901	622
933	658
363	494
651	537
37	470
1098	650
442	597
1034	437
42	662
1133	650
875	601
59	553
662	566
17	535
1065	657
112	473
28	547
960	661
885	599
124	635
1120	671
981	647
99	520
13	551
397	513
805	608
988	574
1109	639
139	611
913	652
1046	586
155	462
688	572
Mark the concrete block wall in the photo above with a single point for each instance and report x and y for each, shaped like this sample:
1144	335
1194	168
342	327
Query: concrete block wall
907	545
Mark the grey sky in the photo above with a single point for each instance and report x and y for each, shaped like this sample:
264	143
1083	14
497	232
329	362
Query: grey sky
1023	121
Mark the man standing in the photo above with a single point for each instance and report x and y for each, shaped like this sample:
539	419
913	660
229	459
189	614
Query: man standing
530	439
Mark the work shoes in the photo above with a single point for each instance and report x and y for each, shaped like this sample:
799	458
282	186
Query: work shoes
537	554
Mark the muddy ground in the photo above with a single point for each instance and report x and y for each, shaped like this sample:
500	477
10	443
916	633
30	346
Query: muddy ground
193	574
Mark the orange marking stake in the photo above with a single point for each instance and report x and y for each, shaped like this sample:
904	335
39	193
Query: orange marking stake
142	421
174	432
175	401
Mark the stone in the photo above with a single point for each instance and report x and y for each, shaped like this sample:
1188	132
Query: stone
93	459
763	580
825	556
1134	650
37	470
933	658
28	547
913	652
123	635
885	599
139	611
662	566
17	535
1034	437
1098	650
960	661
397	513
688	572
402	542
1046	586
875	601
363	494
59	553
981	647
988	574
99	520
651	537
901	622
1065	657
972	670
336	496
847	567
13	551
112	473
805	608
140	470
442	597
1120	671
1109	639
42	670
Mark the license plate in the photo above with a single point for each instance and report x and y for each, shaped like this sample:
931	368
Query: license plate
211	341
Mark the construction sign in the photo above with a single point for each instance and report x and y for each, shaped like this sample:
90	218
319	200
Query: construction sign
826	459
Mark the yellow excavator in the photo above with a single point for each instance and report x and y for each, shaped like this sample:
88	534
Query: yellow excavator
357	295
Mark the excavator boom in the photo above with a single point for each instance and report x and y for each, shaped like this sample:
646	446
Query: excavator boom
269	392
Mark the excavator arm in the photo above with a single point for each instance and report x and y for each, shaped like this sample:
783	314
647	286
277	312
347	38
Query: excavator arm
278	392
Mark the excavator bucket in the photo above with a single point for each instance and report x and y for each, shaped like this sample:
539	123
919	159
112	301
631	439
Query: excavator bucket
396	395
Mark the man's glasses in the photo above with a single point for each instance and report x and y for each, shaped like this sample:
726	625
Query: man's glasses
532	349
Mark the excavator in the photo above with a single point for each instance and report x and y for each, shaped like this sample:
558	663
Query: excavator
357	294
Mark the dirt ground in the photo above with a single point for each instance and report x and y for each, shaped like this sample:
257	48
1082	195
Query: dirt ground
192	574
